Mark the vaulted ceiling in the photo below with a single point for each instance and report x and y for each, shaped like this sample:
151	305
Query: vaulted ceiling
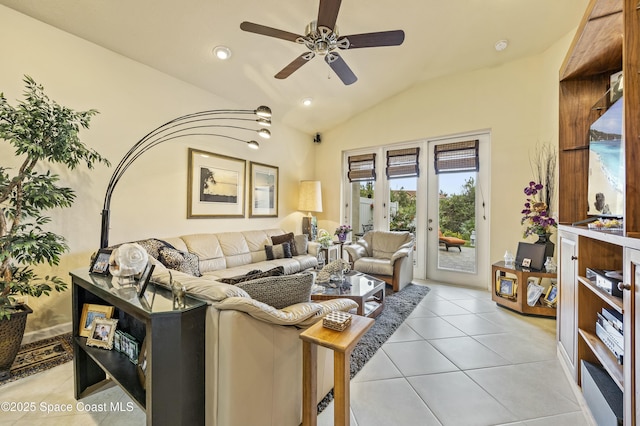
441	37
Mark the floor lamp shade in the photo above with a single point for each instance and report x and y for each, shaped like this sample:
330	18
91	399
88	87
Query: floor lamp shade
310	200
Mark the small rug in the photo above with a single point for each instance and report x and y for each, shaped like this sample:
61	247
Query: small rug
397	307
39	356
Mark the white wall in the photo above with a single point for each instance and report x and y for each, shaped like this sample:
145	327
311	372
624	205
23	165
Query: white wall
517	102
132	99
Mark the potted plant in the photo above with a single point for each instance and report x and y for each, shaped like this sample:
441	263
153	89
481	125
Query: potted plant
44	135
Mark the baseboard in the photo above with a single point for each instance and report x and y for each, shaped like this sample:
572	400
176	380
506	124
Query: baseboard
46	333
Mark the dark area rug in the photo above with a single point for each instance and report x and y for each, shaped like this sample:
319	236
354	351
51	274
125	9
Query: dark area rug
397	307
39	356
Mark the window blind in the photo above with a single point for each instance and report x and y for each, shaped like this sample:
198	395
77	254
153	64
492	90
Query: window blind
457	157
403	163
362	167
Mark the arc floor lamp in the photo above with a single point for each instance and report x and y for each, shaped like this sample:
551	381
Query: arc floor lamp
195	124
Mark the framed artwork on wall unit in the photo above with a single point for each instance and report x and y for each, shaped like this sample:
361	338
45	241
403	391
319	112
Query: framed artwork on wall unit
216	185
263	198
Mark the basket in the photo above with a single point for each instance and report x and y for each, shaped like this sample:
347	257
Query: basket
337	321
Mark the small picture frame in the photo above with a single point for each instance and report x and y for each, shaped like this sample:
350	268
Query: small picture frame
145	276
102	333
526	262
100	264
507	287
551	296
89	313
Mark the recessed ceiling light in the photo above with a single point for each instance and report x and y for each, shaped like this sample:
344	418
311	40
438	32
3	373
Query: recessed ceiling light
222	52
501	45
307	101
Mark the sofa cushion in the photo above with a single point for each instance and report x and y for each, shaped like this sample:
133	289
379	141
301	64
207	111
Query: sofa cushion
278	251
179	260
253	275
280	292
302	244
286	238
375	266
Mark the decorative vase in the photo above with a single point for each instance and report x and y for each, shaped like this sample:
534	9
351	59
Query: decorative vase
342	237
11	334
546	240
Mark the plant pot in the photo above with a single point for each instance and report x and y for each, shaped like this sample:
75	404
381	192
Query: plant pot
342	237
11	333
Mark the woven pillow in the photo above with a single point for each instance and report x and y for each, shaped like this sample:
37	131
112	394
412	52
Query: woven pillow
280	292
180	261
286	238
252	275
278	251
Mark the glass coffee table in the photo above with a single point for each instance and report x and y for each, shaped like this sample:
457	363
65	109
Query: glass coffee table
366	290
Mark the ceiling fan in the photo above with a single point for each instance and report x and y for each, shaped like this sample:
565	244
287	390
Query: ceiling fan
322	38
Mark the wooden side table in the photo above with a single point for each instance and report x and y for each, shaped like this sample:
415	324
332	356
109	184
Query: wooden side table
519	303
342	344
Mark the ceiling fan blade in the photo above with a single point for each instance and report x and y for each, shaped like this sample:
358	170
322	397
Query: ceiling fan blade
268	31
328	13
295	65
383	38
340	67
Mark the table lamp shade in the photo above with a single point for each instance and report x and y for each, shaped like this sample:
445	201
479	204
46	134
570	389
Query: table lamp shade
310	200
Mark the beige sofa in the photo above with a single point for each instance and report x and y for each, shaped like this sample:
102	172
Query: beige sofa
253	356
387	255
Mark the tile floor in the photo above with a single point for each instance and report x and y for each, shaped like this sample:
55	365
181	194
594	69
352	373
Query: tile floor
457	360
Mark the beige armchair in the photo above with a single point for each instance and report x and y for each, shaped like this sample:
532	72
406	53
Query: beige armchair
387	255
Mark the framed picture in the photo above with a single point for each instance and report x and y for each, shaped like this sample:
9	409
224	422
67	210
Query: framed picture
102	332
263	198
506	287
551	297
216	185
89	313
100	264
144	279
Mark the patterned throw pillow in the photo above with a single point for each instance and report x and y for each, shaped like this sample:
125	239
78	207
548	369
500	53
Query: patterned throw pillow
180	261
286	238
278	251
153	246
252	275
280	292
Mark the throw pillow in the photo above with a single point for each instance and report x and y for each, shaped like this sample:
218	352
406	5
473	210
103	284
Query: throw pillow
153	246
280	292
252	275
180	261
302	244
286	238
278	251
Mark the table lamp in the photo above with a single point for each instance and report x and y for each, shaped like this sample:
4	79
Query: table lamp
310	200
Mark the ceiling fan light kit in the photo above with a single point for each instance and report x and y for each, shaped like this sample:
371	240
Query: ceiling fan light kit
322	38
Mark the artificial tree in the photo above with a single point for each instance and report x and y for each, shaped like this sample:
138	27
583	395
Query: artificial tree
44	136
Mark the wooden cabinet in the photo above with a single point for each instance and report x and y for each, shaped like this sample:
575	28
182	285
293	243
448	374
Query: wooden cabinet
173	391
566	318
607	41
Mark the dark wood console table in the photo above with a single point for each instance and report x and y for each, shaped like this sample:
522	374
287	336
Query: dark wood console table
174	384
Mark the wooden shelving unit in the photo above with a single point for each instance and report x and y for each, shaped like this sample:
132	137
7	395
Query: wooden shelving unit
607	41
519	304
